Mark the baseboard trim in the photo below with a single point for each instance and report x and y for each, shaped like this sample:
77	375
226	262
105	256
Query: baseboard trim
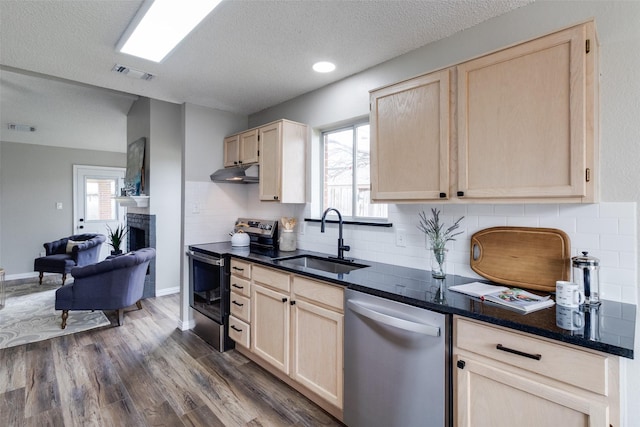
20	276
167	291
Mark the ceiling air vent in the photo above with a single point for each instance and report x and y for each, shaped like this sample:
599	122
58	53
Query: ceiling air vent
132	72
21	128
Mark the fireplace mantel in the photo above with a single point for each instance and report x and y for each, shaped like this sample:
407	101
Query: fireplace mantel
133	201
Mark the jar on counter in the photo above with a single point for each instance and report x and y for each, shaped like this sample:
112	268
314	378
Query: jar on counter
586	273
287	240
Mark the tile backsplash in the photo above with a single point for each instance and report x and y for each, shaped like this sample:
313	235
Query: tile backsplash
606	230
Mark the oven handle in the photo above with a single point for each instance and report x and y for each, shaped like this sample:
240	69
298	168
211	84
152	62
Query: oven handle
206	259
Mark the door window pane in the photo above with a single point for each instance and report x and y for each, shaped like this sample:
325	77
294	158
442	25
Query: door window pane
100	204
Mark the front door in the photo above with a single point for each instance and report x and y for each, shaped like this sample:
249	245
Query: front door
94	206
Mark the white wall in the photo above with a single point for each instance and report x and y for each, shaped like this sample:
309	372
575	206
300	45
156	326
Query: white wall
608	230
161	123
165	191
209	209
33	178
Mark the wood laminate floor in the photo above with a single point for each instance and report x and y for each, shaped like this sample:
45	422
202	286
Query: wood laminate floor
144	373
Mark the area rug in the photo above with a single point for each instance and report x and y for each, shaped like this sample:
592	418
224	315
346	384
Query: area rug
29	315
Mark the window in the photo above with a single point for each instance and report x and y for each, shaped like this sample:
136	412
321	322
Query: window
99	203
346	184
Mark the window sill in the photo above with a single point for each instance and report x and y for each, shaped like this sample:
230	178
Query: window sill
350	222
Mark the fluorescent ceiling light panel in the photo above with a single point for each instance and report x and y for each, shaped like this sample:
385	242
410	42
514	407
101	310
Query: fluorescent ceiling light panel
163	26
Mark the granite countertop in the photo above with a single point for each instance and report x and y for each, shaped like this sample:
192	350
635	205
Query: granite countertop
609	328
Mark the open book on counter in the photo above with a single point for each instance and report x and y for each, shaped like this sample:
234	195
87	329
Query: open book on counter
511	298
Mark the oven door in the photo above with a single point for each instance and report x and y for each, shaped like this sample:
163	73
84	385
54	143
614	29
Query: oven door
206	284
209	299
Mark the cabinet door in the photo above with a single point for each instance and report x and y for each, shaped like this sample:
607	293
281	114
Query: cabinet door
525	120
488	395
249	147
410	139
231	151
317	335
270	326
270	154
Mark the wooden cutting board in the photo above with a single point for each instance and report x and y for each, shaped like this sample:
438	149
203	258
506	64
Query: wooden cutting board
524	257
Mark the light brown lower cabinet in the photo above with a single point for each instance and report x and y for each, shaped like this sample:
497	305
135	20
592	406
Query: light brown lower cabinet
317	327
504	378
270	322
296	333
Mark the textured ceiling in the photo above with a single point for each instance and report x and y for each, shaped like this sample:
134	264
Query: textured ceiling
245	56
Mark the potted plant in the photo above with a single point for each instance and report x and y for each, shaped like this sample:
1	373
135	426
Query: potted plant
437	237
116	237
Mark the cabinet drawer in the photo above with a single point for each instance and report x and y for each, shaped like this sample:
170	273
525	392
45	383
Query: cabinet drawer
239	331
569	365
329	295
240	268
240	306
240	286
272	278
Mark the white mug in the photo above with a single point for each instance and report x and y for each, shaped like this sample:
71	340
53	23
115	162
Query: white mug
570	318
569	294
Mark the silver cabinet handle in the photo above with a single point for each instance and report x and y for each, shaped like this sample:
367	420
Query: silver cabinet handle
395	322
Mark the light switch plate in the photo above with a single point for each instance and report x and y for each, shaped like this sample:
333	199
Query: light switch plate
59	205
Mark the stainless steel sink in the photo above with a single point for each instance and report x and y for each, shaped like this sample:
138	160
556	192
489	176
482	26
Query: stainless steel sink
328	265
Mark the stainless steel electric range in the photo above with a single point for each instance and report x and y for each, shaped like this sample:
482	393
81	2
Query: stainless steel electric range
209	278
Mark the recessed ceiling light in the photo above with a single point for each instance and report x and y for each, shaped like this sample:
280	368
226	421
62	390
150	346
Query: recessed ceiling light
324	67
160	25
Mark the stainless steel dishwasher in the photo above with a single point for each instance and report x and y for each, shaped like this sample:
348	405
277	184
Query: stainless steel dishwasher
396	369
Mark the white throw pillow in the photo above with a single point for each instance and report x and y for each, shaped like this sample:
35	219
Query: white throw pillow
71	244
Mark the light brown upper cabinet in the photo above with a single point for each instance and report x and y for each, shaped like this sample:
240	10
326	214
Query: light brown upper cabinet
231	150
410	124
517	125
241	149
283	161
528	120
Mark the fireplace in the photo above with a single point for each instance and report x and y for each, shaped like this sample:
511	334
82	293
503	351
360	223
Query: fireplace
142	234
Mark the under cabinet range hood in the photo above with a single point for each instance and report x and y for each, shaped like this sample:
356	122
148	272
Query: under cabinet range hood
237	175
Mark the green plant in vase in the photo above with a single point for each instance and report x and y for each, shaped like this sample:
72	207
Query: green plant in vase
116	238
438	236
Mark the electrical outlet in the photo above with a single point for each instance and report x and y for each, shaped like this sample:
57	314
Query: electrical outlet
42	254
401	238
59	205
196	208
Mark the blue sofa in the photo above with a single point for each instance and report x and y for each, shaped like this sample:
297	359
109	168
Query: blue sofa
64	254
112	284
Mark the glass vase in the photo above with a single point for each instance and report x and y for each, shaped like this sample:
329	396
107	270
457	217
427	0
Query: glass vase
438	259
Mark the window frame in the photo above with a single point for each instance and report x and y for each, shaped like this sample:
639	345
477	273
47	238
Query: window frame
353	126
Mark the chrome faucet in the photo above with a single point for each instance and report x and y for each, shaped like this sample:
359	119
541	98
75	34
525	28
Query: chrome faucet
341	246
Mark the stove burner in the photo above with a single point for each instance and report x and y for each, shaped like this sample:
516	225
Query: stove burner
263	233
